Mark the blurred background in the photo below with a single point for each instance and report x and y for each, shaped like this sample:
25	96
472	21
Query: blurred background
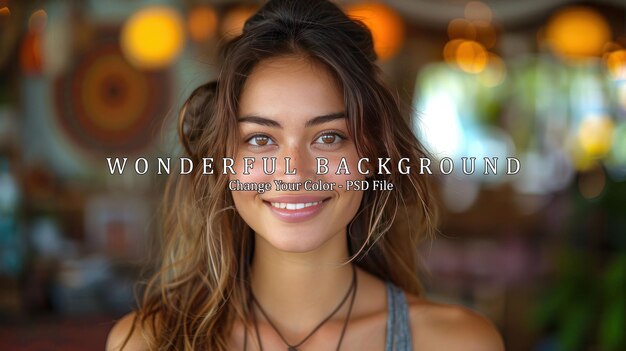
541	252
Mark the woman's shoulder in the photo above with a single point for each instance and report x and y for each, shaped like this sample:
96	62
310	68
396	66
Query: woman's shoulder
128	324
437	326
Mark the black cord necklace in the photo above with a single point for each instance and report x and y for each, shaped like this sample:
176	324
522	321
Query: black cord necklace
351	291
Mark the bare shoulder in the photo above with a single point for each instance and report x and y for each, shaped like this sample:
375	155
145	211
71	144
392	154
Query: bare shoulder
437	326
120	331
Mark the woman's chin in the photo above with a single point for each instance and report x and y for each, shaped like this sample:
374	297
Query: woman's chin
295	241
297	246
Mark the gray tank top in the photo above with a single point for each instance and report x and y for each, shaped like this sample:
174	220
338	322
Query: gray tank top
398	329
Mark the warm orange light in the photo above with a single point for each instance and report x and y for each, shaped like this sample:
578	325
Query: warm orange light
467	55
385	24
152	37
616	64
460	28
4	11
449	51
31	59
234	20
202	23
578	32
471	56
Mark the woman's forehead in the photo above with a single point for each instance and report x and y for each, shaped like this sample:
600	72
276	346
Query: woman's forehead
290	87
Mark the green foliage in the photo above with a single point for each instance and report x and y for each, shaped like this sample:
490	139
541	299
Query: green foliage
586	308
586	304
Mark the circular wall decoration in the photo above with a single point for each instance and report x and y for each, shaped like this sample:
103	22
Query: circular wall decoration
107	106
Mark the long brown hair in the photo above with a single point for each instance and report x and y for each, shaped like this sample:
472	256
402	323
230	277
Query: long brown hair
201	287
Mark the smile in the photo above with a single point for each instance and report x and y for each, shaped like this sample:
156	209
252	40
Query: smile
294	206
296	209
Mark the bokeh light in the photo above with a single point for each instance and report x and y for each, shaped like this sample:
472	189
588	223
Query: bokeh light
478	11
449	51
468	55
202	23
438	123
616	64
153	37
471	56
595	135
577	32
386	25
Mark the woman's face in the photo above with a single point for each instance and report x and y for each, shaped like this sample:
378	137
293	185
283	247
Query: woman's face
291	107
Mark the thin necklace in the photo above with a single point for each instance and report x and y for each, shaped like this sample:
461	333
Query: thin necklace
351	290
345	323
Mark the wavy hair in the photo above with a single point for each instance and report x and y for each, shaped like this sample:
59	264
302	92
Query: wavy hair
201	286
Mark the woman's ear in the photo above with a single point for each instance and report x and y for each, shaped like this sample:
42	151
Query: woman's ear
370	170
194	115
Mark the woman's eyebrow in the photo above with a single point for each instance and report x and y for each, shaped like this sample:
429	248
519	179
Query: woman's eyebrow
259	120
310	123
324	119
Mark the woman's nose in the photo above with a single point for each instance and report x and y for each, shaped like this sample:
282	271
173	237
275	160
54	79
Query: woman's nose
297	163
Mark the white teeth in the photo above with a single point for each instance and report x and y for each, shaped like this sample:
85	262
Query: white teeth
293	206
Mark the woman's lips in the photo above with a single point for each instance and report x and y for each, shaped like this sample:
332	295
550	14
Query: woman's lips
294	209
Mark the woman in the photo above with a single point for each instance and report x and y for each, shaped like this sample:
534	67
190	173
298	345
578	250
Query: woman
295	268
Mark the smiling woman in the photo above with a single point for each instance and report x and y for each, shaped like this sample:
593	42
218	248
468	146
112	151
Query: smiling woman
304	119
297	269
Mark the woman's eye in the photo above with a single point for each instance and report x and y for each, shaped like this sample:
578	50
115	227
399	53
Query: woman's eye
330	138
260	140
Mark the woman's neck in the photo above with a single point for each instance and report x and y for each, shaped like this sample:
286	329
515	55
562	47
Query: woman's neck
298	290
